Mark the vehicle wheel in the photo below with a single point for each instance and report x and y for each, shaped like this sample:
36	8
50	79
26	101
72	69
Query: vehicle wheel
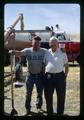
6	57
19	73
78	60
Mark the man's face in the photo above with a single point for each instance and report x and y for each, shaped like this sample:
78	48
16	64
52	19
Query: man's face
36	43
53	44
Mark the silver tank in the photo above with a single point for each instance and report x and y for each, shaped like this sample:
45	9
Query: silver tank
23	39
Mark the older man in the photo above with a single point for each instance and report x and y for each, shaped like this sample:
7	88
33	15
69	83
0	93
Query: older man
55	76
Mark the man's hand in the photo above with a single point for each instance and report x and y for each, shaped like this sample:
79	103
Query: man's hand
12	52
66	69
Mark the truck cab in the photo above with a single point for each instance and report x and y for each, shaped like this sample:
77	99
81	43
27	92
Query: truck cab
72	47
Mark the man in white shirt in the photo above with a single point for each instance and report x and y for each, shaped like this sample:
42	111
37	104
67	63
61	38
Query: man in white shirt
55	76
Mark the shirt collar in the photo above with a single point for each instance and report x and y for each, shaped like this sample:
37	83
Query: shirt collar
50	50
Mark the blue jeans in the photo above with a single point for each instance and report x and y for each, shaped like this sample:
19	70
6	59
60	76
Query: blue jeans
31	80
18	67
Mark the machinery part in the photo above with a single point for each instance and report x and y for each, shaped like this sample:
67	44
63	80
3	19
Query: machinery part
18	84
12	59
78	59
10	29
13	112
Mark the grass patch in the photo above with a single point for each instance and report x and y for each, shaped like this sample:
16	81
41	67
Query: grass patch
72	103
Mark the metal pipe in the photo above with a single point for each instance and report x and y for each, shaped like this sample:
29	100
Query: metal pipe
9	30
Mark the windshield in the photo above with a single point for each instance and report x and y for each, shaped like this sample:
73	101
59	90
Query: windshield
61	36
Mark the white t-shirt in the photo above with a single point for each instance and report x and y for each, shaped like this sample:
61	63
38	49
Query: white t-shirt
55	61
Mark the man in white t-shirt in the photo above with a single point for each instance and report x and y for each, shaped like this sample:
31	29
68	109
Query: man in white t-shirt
56	70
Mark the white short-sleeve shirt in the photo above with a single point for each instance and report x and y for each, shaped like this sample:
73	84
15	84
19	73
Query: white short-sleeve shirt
55	61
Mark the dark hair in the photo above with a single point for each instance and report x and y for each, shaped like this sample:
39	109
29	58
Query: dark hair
36	38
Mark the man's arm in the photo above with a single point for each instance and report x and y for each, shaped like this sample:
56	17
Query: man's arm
16	53
66	69
43	68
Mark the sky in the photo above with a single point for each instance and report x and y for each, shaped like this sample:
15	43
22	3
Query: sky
37	16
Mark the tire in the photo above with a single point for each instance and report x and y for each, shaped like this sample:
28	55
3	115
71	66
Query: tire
6	57
45	45
19	73
78	59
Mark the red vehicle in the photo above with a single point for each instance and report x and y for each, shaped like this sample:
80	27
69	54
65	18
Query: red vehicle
72	47
22	39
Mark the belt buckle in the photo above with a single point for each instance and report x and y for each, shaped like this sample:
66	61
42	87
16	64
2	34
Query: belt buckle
49	76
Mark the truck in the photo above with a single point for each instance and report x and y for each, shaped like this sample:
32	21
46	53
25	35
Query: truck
20	39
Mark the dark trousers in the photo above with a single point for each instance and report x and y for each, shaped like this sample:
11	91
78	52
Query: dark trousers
31	80
52	82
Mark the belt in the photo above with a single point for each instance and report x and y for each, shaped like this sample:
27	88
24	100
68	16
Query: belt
54	73
35	73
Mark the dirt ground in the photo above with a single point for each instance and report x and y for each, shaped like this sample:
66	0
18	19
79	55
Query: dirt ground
72	103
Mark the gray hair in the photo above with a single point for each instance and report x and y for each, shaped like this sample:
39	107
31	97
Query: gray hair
53	38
